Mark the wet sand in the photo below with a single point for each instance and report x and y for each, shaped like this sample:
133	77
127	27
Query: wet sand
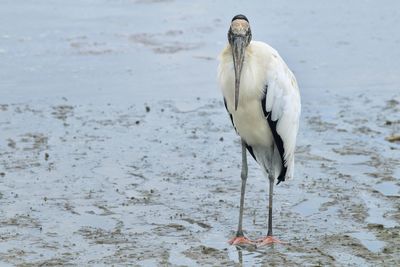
115	147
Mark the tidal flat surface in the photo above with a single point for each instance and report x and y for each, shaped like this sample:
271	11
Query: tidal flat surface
116	149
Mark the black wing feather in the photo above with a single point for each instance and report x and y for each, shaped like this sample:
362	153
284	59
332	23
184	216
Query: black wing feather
230	115
277	138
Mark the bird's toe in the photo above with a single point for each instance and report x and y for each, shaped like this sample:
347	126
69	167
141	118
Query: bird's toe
268	240
240	240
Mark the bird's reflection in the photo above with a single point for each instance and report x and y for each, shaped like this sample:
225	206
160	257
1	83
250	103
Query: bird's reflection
240	255
252	253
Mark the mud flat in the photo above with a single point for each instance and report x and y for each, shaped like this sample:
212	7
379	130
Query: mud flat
115	147
94	184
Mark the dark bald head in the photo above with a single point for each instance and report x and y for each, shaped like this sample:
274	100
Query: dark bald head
239	37
240	16
240	27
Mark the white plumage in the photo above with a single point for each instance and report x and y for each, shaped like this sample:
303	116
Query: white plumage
263	100
264	72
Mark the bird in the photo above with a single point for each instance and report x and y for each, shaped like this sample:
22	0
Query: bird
262	98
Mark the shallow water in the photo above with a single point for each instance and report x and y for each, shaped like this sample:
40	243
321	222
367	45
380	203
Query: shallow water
115	147
368	240
388	188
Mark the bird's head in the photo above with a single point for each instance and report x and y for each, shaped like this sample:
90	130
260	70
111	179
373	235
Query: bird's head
239	37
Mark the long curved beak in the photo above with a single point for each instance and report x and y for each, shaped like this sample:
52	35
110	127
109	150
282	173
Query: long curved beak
238	49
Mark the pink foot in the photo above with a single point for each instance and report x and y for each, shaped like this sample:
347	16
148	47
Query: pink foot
240	240
269	240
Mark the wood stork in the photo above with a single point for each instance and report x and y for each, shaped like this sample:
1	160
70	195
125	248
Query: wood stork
263	101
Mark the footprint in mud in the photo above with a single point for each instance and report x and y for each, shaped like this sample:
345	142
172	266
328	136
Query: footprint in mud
3	107
20	221
160	44
62	112
318	125
33	141
91	48
102	236
205	255
11	143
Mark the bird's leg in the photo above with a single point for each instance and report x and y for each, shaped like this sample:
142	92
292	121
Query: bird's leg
240	238
243	176
271	195
269	239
